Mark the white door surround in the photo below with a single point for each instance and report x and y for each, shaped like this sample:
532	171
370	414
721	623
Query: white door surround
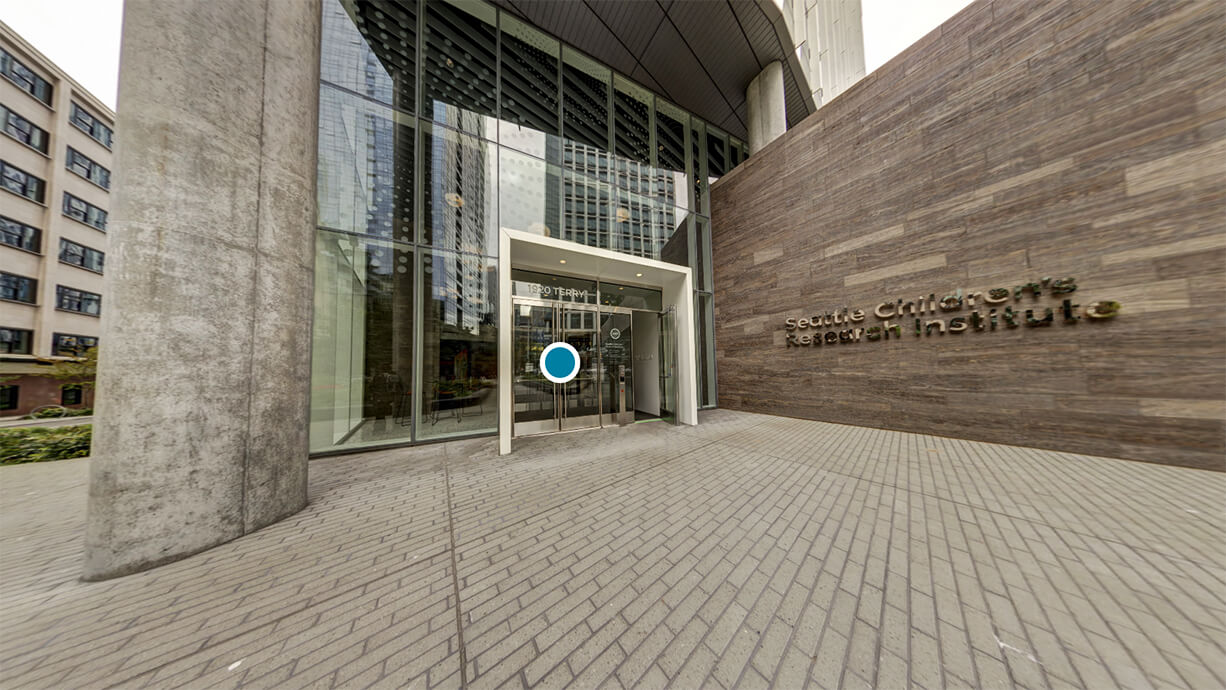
520	249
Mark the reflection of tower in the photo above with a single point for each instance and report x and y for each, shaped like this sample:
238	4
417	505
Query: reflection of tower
615	203
459	167
366	186
357	143
553	195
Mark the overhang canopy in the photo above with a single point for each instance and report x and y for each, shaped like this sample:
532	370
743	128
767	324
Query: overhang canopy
700	54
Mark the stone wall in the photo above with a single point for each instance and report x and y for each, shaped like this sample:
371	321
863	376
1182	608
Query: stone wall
1019	141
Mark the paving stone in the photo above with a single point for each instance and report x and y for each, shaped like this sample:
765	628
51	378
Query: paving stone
828	665
747	551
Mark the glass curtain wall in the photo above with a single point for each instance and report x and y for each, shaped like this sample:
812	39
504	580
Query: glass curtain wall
439	123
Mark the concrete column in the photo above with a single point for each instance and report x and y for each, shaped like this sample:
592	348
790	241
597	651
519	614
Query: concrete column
767	113
203	384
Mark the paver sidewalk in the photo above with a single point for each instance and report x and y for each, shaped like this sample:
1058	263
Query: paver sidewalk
748	551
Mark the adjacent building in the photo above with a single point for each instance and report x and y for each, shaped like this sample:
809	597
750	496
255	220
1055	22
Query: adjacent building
55	181
829	38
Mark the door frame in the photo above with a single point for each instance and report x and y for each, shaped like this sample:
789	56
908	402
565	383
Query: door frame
537	252
537	426
558	422
611	418
590	421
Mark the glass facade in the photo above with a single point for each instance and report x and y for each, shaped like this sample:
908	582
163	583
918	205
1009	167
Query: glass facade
441	122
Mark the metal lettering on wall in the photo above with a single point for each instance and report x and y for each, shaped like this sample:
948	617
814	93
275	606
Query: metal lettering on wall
989	311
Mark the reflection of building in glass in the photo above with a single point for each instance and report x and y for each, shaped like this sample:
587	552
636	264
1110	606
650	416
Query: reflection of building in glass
364	312
355	190
615	203
458	177
440	123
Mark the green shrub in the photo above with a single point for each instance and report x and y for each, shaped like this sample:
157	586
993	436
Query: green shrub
58	412
37	444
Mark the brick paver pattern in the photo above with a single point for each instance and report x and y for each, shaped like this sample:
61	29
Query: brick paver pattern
749	551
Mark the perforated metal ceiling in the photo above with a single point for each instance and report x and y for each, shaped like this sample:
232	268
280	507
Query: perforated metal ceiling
701	54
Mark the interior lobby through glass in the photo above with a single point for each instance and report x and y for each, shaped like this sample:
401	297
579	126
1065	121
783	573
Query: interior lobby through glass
626	354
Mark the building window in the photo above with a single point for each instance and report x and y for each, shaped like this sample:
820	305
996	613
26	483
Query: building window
71	395
79	255
21	182
84	121
23	130
85	212
80	301
24	77
18	288
20	235
67	345
15	341
80	164
8	397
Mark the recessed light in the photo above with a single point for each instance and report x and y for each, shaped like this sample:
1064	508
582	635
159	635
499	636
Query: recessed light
638	275
561	261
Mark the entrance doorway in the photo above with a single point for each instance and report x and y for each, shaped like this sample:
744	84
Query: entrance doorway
604	391
580	290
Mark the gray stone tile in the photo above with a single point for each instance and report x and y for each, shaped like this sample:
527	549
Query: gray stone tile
747	551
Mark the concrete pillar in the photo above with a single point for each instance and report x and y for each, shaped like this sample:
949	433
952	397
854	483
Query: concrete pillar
203	384
767	113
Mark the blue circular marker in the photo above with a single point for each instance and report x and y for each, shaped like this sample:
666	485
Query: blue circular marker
560	362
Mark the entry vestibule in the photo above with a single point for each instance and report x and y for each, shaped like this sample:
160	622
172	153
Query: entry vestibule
625	371
630	319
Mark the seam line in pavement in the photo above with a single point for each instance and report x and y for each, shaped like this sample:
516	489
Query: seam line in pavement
454	566
455	577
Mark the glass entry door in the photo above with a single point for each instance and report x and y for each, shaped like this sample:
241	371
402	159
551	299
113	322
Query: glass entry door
534	399
541	406
581	395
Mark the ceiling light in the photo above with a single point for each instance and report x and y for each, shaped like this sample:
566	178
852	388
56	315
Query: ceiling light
638	275
561	261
